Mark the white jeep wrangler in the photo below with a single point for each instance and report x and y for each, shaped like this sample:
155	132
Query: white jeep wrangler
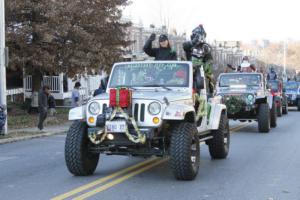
169	116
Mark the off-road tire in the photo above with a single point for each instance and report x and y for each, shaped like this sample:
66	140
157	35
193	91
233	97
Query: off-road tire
184	136
273	115
219	145
279	109
263	118
298	105
79	161
285	109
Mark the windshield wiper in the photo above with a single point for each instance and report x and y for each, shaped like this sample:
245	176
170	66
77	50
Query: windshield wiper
125	86
156	85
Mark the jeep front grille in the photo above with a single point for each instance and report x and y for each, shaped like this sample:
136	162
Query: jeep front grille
241	97
139	112
104	107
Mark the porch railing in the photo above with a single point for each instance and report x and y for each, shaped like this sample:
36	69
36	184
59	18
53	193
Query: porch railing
52	81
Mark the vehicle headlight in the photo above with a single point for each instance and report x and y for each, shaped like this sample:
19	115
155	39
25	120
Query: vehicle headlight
154	108
294	96
94	108
250	98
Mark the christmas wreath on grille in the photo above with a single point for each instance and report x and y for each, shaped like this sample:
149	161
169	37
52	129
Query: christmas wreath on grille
234	104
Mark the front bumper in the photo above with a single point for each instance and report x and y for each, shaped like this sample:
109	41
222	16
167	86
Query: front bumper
247	112
292	100
117	139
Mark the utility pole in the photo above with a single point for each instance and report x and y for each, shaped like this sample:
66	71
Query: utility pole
284	61
2	61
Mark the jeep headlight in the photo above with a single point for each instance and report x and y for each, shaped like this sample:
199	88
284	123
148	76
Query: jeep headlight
94	108
294	96
154	108
250	99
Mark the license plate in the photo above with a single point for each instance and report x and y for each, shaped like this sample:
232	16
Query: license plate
116	126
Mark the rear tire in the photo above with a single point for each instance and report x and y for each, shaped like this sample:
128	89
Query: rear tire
285	109
219	145
279	109
263	118
298	104
185	151
79	160
273	117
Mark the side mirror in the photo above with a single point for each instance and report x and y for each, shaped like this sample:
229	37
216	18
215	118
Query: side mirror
200	83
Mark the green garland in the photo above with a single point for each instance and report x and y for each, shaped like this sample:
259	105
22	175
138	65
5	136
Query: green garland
234	104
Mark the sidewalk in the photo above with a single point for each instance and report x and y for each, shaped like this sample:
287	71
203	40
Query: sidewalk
15	135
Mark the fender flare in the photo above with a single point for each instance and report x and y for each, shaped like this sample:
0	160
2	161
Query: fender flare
78	113
215	114
178	112
270	101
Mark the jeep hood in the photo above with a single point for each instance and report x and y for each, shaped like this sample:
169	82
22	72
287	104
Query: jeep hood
292	91
238	90
159	95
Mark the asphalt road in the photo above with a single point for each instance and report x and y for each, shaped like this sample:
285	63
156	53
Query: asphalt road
259	167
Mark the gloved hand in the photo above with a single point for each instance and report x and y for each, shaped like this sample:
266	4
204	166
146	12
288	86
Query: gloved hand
152	37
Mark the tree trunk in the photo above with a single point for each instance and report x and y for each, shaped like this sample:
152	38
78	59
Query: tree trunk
37	79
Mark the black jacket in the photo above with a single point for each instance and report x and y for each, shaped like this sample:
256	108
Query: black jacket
159	53
98	91
51	102
188	48
43	101
2	118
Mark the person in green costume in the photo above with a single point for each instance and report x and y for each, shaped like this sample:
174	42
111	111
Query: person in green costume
199	52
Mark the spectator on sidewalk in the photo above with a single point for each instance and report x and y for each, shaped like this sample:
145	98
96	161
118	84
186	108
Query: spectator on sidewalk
43	105
76	101
100	90
52	105
2	118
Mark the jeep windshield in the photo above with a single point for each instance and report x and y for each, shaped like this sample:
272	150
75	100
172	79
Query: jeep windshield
240	80
291	85
274	86
162	75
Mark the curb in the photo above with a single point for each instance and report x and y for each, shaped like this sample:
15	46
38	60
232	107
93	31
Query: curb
22	138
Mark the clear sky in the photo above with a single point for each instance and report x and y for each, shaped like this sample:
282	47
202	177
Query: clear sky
223	19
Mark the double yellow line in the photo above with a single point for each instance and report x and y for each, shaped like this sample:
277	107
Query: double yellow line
120	176
235	129
145	165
